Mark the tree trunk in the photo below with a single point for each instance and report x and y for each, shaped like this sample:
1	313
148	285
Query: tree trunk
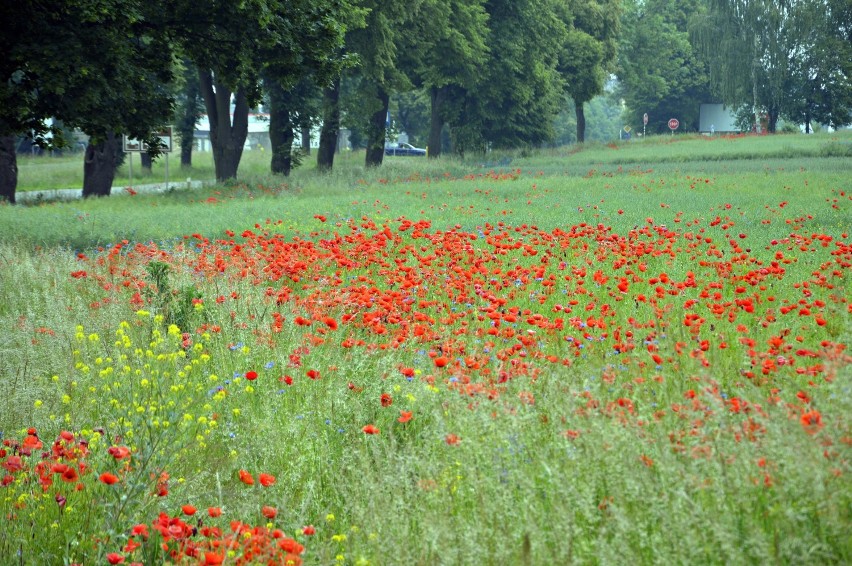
581	121
436	123
8	168
99	166
189	114
280	129
330	126
306	141
146	161
226	139
773	121
377	131
186	151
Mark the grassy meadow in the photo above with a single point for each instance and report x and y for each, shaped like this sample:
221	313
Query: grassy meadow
625	353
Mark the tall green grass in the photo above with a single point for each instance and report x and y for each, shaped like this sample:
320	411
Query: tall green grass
446	193
45	173
516	489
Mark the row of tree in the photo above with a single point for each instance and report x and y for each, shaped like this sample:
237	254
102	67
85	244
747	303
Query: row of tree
112	67
496	73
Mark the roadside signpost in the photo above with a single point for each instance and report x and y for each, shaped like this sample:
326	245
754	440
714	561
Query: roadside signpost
644	123
133	145
673	124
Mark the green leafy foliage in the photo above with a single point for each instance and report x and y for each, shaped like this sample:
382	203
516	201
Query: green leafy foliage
587	55
779	58
445	48
659	72
235	44
177	306
98	66
518	91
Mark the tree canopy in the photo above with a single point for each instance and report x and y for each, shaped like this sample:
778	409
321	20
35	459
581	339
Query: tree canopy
659	72
779	57
445	48
234	44
100	66
495	73
588	53
518	90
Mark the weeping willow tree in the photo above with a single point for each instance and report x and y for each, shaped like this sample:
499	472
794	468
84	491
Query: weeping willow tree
821	80
748	45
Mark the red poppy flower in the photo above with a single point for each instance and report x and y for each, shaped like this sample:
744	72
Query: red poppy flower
452	439
119	452
32	442
404	416
313	374
246	477
131	546
309	530
386	400
115	558
163	485
13	464
812	421
370	429
214	511
188	509
251	375
70	475
140	529
266	479
108	478
269	512
289	545
441	361
59	468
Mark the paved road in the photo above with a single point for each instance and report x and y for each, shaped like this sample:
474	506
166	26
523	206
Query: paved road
71	194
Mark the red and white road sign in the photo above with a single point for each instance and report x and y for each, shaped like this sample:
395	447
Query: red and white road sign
645	119
673	124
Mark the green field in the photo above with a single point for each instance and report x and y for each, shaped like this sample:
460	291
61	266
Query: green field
634	353
696	153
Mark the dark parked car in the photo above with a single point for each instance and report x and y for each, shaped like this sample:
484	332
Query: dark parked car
403	149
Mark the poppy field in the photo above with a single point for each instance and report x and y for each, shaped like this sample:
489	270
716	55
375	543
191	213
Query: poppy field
520	365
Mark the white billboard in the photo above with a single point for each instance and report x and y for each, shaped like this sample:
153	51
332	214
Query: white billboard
716	118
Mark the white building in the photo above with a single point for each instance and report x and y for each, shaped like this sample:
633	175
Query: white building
258	132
